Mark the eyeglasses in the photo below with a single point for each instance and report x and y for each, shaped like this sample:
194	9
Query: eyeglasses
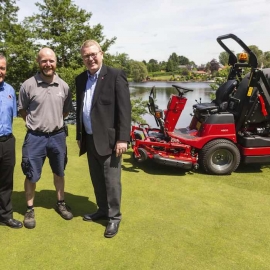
89	56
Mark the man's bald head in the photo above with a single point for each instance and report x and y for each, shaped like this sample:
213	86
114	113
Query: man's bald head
46	52
47	63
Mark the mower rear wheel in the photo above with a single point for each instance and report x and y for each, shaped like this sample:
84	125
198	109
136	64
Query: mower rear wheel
220	157
143	155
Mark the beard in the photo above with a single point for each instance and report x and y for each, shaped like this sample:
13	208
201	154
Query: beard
49	75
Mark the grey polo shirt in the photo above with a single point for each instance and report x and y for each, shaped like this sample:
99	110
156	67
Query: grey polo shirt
45	103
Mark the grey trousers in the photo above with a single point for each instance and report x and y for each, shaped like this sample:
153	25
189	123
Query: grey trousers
105	172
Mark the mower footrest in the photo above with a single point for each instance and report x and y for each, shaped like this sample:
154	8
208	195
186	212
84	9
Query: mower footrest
187	165
256	159
254	141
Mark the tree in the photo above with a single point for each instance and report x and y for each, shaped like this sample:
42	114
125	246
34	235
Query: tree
170	66
63	27
258	53
173	62
8	18
223	58
214	65
184	71
138	110
138	71
16	44
182	60
153	66
192	65
120	61
266	59
162	65
68	75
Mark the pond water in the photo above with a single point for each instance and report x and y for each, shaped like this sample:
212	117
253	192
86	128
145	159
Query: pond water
163	92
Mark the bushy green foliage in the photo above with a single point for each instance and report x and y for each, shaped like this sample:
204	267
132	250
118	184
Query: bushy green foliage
138	110
64	26
223	58
138	71
17	45
159	74
184	71
68	75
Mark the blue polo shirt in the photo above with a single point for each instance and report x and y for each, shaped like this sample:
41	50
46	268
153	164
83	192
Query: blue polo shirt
8	108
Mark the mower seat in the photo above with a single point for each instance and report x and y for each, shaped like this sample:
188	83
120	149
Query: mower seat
236	103
222	97
256	116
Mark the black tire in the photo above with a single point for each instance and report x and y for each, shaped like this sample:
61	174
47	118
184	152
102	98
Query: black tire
219	157
143	155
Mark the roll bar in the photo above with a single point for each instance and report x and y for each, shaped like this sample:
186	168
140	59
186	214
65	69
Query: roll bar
232	58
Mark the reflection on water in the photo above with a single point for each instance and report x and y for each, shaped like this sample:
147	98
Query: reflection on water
163	92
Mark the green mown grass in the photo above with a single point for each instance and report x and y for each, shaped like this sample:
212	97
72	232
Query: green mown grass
172	219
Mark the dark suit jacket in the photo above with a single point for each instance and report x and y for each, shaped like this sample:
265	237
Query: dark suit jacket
110	112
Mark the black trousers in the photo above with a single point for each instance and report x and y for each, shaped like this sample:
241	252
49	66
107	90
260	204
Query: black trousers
105	172
7	163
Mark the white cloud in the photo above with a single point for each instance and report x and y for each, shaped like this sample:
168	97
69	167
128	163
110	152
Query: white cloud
148	29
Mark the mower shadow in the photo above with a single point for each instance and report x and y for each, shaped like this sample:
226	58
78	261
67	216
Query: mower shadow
251	168
151	167
47	199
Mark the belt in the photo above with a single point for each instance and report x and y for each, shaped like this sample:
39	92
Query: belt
5	137
35	132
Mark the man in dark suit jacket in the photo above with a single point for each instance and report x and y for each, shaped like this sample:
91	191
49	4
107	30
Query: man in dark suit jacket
103	131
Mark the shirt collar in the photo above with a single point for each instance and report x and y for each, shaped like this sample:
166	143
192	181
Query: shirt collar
94	76
39	79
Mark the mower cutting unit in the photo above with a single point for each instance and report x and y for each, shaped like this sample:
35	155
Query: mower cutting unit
233	128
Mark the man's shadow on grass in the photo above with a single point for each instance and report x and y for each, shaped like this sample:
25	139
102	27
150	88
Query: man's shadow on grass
80	205
151	167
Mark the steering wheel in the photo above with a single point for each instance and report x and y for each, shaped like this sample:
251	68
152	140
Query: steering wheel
181	90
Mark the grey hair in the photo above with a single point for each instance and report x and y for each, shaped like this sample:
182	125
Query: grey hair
91	42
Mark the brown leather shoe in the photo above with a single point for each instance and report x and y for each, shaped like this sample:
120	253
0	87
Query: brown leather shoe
111	229
94	216
12	223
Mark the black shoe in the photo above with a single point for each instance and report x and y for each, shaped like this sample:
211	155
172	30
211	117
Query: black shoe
29	221
111	230
12	223
94	216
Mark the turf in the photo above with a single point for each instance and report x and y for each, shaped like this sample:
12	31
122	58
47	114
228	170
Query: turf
172	219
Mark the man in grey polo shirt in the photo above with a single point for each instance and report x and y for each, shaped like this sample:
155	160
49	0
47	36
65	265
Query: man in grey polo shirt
44	102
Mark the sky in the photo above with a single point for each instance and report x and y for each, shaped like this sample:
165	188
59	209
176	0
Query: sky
154	29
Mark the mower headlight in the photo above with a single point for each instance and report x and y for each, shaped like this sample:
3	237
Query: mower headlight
243	57
158	114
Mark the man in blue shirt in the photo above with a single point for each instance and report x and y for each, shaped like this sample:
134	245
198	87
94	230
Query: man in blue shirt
8	110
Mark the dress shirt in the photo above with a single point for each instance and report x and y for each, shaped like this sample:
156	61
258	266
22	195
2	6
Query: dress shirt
8	108
87	102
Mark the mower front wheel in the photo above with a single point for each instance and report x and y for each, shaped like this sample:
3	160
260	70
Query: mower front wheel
143	155
220	157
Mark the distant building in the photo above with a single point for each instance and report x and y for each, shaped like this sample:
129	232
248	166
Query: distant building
202	72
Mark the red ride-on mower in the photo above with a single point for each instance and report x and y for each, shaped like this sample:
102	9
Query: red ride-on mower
234	128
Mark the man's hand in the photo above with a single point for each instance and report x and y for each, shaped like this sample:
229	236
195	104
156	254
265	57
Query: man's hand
23	114
120	148
79	143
